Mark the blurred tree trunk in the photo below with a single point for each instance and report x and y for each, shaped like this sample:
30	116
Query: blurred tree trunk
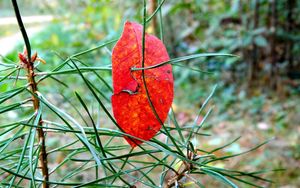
289	29
154	25
253	66
244	12
171	36
273	41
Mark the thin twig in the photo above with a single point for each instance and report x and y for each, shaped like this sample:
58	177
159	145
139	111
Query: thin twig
36	103
22	28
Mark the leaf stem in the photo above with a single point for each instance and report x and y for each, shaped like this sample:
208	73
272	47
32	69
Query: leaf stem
145	83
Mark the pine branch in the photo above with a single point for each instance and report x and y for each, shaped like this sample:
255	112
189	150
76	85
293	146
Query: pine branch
28	62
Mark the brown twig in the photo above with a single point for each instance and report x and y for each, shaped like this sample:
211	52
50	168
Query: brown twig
27	62
29	67
41	136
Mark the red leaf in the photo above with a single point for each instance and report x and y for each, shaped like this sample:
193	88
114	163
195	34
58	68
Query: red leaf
130	104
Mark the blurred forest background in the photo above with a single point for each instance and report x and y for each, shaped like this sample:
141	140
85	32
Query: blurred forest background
258	92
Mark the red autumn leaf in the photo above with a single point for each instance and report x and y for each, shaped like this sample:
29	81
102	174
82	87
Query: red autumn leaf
130	104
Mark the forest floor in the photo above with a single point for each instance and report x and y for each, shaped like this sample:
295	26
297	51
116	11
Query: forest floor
272	119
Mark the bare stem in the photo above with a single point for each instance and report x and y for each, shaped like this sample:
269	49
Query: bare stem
41	135
36	103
